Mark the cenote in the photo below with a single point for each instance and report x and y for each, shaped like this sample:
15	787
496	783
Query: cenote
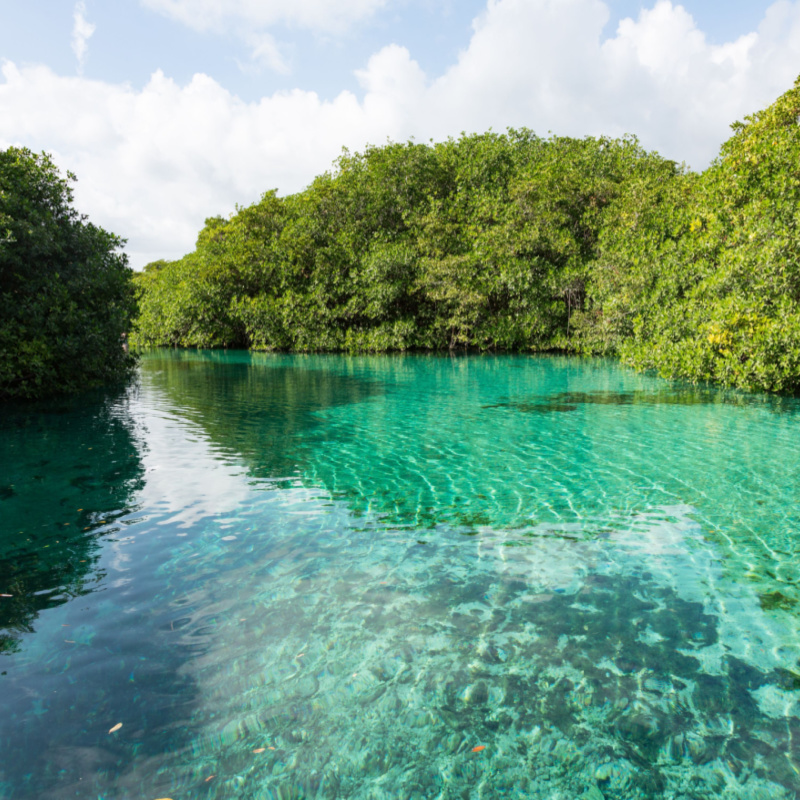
266	576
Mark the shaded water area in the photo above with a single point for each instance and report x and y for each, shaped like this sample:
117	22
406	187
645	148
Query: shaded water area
400	577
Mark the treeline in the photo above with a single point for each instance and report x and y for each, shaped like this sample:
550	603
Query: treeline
66	295
514	242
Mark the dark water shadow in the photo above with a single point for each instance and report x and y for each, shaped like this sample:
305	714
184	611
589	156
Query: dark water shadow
686	396
71	470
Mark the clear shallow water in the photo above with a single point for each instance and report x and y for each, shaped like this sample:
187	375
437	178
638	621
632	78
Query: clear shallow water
337	577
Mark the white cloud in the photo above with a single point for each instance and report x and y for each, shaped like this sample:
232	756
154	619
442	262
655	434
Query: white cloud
250	20
264	50
543	64
154	162
82	31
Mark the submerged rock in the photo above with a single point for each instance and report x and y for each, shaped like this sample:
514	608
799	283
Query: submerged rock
603	772
477	694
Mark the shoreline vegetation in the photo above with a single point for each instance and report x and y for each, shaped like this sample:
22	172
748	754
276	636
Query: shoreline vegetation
518	243
489	242
66	291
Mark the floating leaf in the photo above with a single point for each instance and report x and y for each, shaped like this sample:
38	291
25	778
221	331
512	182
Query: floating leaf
259	750
116	727
479	748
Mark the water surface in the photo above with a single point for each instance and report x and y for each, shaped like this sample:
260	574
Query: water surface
411	576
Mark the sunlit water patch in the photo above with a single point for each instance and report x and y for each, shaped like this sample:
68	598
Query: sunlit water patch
410	577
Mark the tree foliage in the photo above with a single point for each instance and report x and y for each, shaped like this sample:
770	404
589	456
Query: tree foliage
512	241
478	242
66	295
726	306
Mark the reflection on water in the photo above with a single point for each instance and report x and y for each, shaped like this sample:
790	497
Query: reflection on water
257	407
69	470
328	577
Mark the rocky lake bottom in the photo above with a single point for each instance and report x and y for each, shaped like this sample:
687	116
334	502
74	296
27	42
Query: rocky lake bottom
412	577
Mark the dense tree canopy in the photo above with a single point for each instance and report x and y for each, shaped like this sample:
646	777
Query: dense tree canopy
483	242
511	241
728	299
66	294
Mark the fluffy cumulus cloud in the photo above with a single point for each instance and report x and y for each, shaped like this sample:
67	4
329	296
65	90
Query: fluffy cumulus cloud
544	64
154	162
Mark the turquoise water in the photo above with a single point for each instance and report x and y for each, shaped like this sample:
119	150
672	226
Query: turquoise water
400	577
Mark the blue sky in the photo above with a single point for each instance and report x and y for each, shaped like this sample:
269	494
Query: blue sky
131	41
173	110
